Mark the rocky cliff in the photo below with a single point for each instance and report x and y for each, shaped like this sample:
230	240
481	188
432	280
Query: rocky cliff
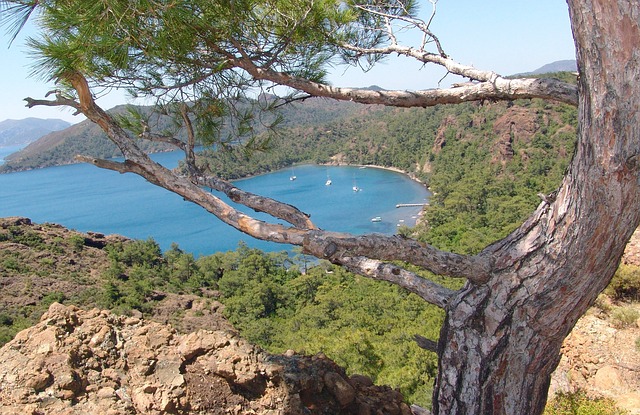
94	362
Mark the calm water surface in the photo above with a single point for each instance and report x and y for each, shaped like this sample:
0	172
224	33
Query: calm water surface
86	198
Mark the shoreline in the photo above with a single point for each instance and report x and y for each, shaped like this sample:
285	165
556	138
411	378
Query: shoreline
412	176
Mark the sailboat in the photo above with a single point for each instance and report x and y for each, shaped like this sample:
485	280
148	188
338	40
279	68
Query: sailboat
328	182
355	187
293	176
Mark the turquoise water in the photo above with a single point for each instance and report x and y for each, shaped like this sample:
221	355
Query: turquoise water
86	198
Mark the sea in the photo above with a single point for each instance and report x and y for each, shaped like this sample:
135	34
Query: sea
86	198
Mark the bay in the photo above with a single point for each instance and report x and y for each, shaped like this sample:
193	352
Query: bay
86	198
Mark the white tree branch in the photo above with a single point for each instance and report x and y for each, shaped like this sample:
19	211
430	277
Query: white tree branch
333	246
279	210
493	87
428	290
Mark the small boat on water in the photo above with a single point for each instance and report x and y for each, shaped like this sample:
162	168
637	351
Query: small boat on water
376	219
292	178
356	188
328	182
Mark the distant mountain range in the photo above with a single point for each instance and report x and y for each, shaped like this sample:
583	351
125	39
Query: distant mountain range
28	130
569	65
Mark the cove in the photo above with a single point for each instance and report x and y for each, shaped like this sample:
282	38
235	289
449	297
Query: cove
86	198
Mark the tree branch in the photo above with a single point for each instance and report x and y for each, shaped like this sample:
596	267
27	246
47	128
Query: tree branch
336	247
60	101
147	135
279	210
378	270
426	289
413	21
494	88
425	343
332	246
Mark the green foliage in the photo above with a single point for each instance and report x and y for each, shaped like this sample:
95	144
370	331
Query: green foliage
52	297
366	326
578	403
142	253
77	242
6	319
625	316
625	285
29	238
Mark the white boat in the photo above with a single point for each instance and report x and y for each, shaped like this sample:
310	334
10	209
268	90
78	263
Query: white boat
376	219
328	182
292	178
355	187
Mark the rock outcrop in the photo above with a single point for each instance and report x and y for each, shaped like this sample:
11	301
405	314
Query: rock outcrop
94	362
602	361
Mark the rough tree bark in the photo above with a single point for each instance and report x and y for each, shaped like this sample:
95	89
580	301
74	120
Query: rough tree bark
501	340
502	334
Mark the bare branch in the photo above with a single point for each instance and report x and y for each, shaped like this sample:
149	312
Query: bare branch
426	289
147	135
425	343
413	21
494	87
60	101
375	269
259	203
332	246
189	152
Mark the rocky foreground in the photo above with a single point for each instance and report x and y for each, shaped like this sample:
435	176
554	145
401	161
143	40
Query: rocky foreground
94	362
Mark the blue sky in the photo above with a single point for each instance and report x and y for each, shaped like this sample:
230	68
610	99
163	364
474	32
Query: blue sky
504	36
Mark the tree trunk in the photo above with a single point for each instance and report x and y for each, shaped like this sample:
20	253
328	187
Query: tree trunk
501	340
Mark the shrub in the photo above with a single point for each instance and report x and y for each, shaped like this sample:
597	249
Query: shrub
53	297
624	317
625	284
5	319
578	403
77	242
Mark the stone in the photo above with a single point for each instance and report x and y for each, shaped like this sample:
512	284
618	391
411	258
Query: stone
607	378
340	388
40	381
